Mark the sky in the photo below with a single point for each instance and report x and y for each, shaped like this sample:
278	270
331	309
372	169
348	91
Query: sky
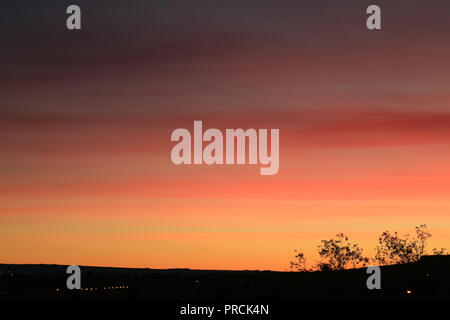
86	116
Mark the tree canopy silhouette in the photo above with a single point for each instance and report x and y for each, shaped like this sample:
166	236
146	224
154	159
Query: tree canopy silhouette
339	253
299	264
394	248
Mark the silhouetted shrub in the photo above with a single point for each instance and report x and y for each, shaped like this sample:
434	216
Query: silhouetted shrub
393	248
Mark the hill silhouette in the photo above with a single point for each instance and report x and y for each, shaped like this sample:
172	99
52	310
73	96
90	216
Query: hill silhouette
427	278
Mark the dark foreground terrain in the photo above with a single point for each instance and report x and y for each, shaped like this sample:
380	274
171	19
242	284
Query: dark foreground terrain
429	278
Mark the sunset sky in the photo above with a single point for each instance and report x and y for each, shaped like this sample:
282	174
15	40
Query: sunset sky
86	117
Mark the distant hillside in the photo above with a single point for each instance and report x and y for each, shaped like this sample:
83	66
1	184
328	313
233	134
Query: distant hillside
428	278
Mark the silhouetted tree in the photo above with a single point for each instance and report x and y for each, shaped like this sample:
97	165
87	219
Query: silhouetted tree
394	248
439	252
338	253
299	264
323	266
